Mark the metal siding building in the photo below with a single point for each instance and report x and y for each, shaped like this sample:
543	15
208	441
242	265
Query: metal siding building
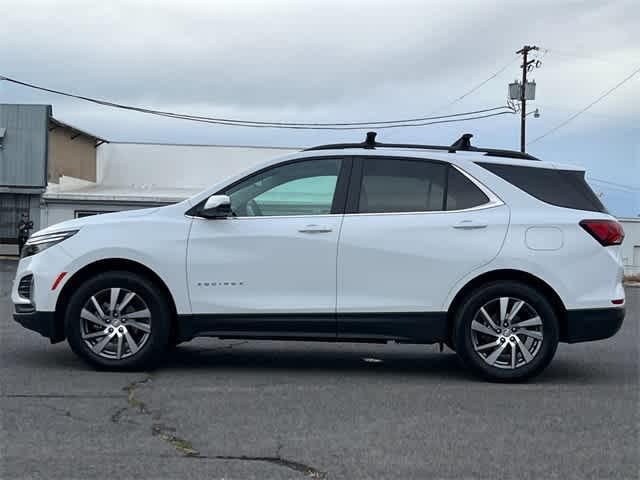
36	150
23	167
23	156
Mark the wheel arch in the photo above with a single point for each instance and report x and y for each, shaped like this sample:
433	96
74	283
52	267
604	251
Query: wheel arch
105	265
513	275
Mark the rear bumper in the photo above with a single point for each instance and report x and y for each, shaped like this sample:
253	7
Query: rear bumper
42	322
592	324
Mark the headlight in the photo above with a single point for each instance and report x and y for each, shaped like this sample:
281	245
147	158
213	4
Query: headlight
38	243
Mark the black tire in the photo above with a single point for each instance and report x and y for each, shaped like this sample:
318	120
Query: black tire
492	292
155	342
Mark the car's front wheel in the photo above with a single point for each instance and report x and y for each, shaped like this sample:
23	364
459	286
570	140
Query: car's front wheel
506	331
118	320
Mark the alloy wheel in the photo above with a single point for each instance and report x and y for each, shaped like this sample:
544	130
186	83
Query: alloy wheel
507	333
115	323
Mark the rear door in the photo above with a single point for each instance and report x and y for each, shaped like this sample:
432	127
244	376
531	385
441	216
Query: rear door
413	228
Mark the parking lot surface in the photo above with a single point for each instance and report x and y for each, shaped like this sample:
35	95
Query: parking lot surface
243	410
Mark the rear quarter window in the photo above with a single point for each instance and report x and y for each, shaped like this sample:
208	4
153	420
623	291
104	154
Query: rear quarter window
562	188
461	193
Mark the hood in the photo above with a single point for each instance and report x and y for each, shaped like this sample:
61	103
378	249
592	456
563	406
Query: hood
103	218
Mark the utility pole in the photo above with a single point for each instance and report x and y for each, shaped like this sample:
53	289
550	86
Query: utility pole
524	95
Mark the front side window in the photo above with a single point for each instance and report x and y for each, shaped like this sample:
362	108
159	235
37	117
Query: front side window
301	188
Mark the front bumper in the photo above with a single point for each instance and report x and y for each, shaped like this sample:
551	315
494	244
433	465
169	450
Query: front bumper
45	268
42	322
592	324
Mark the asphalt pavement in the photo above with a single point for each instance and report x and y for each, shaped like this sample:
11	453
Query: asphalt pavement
263	410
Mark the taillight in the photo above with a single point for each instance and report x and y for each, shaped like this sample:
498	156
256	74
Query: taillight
606	232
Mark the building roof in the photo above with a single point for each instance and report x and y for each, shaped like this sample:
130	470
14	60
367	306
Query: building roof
218	145
110	193
57	123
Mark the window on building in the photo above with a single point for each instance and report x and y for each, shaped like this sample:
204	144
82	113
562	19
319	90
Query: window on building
89	213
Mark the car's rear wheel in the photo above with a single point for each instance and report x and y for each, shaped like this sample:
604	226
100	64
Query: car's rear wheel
506	331
118	320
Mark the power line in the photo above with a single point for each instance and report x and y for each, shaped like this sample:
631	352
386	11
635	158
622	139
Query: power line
576	56
342	126
363	127
580	112
477	87
410	122
620	185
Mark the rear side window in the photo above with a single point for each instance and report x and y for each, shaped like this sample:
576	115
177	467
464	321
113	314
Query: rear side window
563	188
399	185
392	185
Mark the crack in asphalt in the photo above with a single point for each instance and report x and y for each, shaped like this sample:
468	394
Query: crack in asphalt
132	401
282	462
66	413
59	411
186	449
115	418
131	395
180	444
56	395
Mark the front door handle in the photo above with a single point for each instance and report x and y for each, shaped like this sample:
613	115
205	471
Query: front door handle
315	229
469	225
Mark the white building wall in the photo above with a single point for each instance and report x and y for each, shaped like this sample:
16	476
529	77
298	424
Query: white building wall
631	245
181	166
52	212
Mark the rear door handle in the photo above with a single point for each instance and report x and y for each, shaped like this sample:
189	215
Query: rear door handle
469	225
315	229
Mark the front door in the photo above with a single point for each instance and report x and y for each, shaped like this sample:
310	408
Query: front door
270	270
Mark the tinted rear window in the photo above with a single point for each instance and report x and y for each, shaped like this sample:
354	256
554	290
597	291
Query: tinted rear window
563	188
461	193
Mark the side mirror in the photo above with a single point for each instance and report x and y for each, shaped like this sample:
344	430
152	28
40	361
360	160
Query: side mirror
217	206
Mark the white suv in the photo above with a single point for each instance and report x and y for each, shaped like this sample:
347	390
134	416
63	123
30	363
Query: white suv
493	252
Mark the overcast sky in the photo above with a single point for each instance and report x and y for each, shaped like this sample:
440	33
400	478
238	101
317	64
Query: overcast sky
329	60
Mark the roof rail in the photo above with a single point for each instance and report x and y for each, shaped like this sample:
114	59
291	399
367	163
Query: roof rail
463	144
